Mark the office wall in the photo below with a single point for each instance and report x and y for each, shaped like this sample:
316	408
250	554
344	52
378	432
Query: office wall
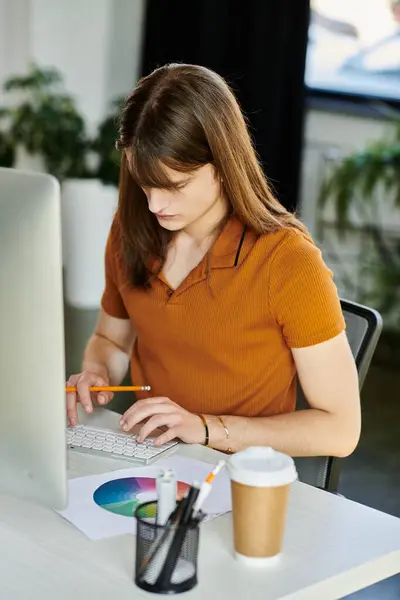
95	44
327	137
15	38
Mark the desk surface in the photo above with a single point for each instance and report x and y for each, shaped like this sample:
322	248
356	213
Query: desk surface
332	547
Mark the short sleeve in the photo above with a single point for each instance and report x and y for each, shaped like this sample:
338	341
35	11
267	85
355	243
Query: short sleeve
112	301
303	296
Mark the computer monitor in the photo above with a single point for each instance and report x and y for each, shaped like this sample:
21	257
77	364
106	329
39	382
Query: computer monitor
33	459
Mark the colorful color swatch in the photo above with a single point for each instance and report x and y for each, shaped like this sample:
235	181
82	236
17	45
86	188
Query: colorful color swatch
123	496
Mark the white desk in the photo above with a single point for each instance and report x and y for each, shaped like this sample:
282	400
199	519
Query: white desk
332	547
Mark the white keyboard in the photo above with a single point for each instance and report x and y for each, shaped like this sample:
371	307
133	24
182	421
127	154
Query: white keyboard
118	445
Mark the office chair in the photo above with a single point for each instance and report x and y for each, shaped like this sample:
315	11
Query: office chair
363	328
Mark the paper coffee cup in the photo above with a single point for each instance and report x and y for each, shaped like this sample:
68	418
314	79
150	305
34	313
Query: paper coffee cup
260	484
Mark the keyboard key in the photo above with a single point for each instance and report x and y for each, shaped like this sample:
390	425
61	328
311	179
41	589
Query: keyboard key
120	438
129	452
152	452
147	454
87	444
139	452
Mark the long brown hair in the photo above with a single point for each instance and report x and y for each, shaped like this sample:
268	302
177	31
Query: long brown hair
185	116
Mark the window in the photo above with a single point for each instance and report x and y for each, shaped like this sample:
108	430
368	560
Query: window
354	47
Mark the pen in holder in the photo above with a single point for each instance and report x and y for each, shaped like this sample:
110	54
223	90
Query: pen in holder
166	555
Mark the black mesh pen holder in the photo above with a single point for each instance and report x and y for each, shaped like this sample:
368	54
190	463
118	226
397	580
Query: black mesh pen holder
166	555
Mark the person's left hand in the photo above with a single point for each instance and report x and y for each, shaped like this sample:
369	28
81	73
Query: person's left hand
160	413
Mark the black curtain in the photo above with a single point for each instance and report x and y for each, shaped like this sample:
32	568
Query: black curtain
259	46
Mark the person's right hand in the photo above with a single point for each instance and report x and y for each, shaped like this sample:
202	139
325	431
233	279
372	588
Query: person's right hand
83	381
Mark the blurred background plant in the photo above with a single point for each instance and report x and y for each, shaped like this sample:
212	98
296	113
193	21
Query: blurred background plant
44	121
360	188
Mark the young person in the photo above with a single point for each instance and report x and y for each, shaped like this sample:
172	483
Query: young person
215	294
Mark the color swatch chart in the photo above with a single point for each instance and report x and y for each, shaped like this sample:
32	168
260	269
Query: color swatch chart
122	496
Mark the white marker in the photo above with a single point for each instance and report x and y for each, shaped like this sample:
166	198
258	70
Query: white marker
206	487
166	492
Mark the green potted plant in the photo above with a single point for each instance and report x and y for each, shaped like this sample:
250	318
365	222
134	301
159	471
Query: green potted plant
367	184
44	125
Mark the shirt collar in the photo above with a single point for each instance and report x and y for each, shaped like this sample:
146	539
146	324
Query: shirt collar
231	247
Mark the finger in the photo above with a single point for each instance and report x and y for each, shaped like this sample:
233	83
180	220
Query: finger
101	397
84	395
144	404
138	410
169	435
152	401
72	413
133	415
105	397
156	422
83	387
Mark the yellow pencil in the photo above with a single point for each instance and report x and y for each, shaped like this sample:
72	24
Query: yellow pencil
113	388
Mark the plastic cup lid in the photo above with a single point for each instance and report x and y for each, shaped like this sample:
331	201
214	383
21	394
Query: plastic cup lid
262	466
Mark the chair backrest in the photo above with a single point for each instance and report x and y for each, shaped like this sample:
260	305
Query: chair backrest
363	329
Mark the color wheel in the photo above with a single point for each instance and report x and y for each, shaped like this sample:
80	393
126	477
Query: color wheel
122	496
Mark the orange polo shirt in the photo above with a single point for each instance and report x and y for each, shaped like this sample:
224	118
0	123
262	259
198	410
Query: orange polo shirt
221	342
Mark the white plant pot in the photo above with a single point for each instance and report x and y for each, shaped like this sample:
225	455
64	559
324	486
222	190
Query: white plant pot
87	210
28	162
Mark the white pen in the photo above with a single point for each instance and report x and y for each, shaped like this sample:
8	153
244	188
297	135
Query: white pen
206	487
